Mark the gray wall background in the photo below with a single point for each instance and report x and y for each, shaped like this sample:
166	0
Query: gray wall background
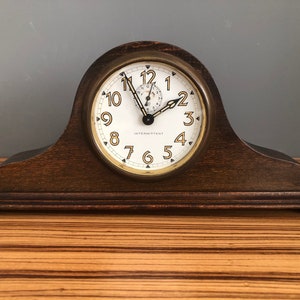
252	49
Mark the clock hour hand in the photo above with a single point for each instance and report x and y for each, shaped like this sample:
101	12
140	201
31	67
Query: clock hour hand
135	95
170	104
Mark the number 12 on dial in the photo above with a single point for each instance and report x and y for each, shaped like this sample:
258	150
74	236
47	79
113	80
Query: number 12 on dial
148	118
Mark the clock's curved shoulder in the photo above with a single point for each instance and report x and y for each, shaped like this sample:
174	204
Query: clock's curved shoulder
68	175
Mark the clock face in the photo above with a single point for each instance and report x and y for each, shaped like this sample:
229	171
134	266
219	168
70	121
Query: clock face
147	118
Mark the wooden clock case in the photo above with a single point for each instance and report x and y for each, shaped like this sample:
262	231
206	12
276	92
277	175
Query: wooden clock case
69	176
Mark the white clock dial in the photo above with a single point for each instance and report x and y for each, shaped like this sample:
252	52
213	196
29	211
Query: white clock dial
147	118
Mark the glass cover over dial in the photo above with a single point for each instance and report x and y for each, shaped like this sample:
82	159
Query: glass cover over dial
148	118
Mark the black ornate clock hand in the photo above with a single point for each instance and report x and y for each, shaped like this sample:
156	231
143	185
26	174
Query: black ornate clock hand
170	104
135	95
149	119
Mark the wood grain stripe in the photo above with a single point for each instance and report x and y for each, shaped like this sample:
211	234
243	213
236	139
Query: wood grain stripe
213	255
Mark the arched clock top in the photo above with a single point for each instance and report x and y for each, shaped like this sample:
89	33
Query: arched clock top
148	131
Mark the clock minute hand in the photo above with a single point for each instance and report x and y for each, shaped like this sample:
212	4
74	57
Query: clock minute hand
135	95
170	104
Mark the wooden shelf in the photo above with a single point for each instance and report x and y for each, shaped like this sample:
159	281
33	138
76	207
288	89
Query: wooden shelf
212	255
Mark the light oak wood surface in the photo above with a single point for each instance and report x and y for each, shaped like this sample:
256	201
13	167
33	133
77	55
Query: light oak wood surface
211	255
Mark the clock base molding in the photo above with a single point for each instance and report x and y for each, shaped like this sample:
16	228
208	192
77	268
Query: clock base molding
148	201
227	173
3	159
140	201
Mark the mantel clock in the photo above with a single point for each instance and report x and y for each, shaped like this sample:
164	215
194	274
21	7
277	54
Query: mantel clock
148	131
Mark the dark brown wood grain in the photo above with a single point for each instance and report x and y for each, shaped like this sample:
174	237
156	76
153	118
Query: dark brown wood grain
68	175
